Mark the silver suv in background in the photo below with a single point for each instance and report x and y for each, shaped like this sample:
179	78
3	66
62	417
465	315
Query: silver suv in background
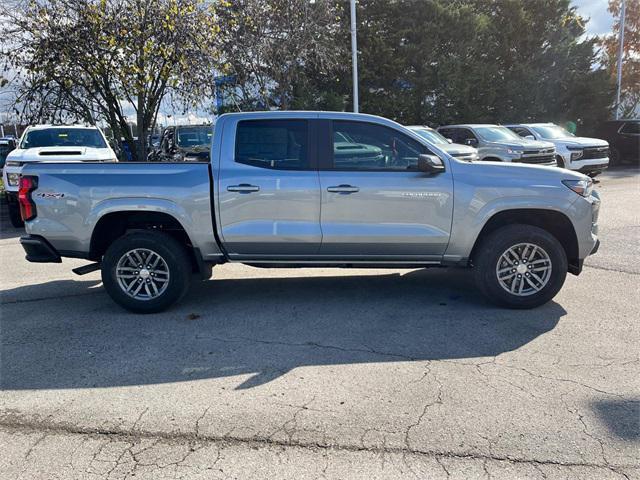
585	155
456	150
499	144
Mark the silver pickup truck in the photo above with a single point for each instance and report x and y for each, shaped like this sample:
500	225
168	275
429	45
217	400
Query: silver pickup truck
305	189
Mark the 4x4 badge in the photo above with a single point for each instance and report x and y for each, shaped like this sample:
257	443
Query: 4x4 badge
50	195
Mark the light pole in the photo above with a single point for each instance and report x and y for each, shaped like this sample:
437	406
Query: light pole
354	56
620	53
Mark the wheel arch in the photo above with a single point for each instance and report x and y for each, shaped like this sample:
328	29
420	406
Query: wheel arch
114	225
552	221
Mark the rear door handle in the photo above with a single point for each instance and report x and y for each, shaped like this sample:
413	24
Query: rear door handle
243	188
343	189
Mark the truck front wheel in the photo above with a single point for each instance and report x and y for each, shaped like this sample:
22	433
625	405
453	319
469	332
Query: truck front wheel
146	272
520	266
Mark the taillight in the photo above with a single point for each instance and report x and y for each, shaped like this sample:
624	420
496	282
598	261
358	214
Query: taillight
27	207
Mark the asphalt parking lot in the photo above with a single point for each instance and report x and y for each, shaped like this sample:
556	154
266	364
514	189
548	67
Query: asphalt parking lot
326	373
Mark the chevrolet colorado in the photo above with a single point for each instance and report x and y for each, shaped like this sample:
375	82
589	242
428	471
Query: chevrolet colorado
302	189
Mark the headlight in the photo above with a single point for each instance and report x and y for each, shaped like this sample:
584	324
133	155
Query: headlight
575	155
514	152
11	163
14	179
581	187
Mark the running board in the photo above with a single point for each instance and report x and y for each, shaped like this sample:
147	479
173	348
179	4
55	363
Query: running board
92	267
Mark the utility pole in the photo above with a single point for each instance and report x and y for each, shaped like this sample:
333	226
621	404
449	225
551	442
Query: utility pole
620	54
354	56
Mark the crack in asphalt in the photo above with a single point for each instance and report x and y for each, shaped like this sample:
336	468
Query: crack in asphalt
179	439
612	269
306	344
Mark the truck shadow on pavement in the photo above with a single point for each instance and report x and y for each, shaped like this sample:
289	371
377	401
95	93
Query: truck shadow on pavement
257	329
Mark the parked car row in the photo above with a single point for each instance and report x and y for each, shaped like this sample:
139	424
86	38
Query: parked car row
534	143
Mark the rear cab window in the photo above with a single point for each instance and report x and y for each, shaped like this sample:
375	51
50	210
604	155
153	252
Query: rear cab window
273	144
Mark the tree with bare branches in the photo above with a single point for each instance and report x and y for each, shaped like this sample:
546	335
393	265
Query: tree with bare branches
91	59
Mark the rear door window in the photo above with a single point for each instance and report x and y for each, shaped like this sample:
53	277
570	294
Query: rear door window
274	144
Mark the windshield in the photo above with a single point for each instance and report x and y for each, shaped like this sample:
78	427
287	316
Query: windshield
63	137
194	136
431	135
496	134
551	131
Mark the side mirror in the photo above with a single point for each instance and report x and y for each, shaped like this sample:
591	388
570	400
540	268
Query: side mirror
430	164
472	142
449	140
529	137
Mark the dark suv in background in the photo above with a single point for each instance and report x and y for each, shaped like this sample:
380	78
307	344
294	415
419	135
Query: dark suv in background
184	143
624	140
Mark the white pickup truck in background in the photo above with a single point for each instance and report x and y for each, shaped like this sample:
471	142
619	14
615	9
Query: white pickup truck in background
50	143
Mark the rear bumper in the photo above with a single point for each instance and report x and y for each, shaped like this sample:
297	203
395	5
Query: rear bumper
38	250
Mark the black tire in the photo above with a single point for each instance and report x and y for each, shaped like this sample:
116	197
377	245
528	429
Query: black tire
494	245
173	254
14	214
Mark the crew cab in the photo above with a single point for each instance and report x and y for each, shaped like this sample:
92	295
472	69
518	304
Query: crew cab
51	143
586	155
496	143
280	191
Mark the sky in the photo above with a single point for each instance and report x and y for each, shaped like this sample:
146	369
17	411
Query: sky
600	19
600	22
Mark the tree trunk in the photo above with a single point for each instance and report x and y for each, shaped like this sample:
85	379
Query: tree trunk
141	131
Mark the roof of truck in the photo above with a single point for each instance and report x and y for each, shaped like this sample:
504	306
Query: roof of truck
48	125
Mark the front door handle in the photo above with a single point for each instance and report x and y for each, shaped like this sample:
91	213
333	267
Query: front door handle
243	188
343	189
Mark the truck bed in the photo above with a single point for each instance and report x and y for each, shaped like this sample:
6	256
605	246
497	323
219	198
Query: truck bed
72	198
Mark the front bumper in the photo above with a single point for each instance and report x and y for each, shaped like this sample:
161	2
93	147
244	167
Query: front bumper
38	250
592	165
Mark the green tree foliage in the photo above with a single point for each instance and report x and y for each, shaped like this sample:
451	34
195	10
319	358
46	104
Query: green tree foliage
272	46
442	61
90	59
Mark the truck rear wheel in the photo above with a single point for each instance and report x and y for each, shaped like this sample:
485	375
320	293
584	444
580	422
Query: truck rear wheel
520	266
146	272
